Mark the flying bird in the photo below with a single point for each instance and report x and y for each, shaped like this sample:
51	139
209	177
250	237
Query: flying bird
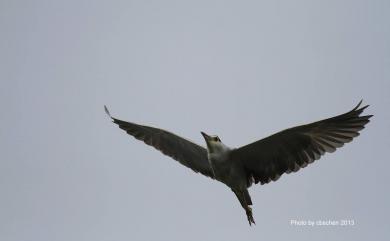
262	161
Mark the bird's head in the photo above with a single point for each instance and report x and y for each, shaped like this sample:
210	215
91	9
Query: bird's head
214	144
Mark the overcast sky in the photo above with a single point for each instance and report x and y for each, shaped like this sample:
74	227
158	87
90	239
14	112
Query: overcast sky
239	69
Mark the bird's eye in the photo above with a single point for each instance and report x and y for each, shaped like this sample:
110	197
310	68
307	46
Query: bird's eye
217	139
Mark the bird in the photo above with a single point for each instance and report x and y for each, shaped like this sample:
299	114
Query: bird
260	162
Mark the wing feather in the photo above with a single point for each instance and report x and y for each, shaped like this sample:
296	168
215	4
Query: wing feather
292	149
184	151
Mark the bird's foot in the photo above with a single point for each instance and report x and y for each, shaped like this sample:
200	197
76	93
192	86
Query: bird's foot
250	216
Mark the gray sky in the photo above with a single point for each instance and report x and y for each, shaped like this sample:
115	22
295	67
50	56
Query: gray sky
239	69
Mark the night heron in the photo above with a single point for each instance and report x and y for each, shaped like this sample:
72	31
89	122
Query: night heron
262	161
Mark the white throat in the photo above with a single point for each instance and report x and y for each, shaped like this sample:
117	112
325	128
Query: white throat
217	151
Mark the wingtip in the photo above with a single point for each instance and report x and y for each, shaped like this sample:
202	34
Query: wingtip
364	107
358	105
107	111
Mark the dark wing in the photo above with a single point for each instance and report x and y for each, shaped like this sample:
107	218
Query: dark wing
186	152
289	150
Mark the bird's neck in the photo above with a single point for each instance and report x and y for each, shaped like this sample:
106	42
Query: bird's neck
218	152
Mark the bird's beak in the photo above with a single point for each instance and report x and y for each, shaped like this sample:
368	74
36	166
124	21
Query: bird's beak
205	136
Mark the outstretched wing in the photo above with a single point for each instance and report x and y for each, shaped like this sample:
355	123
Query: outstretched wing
289	150
186	152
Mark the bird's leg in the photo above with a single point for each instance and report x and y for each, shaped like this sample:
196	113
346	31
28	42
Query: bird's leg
244	203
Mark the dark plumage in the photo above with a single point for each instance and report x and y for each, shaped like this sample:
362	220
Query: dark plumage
186	152
292	149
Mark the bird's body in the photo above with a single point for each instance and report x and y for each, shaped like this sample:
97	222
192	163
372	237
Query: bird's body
232	173
224	169
260	162
227	171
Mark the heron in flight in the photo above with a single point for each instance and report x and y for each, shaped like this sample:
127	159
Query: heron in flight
262	161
